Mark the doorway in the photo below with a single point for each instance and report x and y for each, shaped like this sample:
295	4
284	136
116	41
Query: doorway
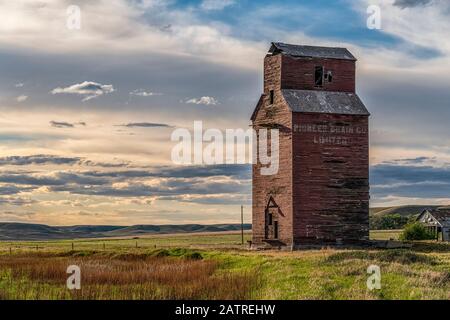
271	220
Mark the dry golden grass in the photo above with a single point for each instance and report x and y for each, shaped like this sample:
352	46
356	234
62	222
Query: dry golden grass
126	277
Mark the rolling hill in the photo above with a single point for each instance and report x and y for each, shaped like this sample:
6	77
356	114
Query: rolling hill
26	231
401	210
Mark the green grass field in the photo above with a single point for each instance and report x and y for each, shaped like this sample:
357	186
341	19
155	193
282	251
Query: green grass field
217	266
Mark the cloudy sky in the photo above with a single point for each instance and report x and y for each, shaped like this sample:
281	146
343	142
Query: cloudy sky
86	114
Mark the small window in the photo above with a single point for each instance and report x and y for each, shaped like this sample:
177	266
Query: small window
318	76
271	97
330	76
269	218
275	230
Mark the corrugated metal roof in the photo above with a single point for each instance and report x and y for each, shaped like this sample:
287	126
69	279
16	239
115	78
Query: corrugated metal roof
324	102
311	51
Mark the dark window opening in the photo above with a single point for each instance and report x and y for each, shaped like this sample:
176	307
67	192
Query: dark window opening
272	96
275	230
269	218
318	76
330	76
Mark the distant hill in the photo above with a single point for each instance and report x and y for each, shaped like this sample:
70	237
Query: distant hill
26	231
401	210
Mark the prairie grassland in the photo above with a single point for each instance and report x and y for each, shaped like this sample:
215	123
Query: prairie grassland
133	276
192	267
226	240
385	234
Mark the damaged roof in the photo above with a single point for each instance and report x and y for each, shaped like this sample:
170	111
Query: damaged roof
324	102
441	214
311	51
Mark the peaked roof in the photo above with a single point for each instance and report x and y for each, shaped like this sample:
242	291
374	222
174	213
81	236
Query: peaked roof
442	215
324	102
311	51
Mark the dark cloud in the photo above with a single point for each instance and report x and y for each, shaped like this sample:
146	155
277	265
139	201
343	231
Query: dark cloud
425	190
90	163
235	171
415	160
228	181
410	181
16	201
173	187
30	179
134	190
119	175
38	159
418	160
145	125
388	174
61	124
411	3
9	190
60	178
241	171
64	124
45	159
223	199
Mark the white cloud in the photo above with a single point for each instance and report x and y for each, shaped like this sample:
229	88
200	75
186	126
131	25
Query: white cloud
216	4
203	100
143	93
87	88
419	24
19	85
123	29
21	98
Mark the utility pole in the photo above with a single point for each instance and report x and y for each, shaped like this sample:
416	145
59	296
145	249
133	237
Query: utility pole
242	224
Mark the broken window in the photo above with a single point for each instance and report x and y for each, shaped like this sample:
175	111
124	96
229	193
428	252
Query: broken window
318	76
330	76
272	96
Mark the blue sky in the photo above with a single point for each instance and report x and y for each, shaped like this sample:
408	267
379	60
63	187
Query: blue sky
78	140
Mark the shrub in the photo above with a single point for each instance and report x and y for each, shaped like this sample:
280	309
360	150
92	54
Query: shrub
193	256
388	222
416	231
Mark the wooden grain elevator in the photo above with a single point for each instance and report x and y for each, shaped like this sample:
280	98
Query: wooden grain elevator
320	194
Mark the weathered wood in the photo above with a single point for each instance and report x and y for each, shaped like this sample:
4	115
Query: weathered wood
322	186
